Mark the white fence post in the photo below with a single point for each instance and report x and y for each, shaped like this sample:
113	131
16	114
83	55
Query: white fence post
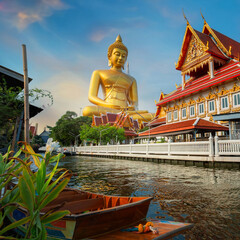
169	146
117	147
147	147
211	145
130	145
216	146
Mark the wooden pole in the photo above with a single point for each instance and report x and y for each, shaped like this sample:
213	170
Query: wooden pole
26	95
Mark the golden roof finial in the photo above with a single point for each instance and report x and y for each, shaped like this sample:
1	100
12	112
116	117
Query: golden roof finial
230	50
185	17
203	17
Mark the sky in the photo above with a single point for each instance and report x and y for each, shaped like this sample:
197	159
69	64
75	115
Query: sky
67	40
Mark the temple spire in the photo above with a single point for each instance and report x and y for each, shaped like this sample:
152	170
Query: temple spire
127	68
203	17
185	17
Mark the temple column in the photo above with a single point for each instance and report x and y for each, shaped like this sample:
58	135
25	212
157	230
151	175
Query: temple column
211	67
183	81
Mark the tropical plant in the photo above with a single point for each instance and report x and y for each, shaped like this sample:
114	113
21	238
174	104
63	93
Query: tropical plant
67	128
33	191
104	134
11	107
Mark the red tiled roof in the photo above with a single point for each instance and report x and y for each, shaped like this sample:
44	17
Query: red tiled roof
129	132
135	124
212	48
111	117
158	121
184	126
228	71
104	119
97	120
227	42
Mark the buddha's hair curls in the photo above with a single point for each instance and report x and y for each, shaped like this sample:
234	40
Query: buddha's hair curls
117	44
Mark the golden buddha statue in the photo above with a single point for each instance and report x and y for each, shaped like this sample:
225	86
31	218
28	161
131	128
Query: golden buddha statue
119	89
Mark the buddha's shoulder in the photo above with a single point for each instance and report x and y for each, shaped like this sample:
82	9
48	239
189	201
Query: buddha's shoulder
101	72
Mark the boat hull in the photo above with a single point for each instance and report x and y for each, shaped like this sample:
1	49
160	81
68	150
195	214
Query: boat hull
111	213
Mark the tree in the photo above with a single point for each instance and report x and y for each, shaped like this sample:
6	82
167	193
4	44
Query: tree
104	134
11	107
67	128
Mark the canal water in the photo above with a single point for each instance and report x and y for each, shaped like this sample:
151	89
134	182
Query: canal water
209	198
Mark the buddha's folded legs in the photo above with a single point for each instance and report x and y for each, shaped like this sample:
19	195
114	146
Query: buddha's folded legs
98	110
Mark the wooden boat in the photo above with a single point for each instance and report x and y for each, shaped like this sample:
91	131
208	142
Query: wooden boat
91	214
165	229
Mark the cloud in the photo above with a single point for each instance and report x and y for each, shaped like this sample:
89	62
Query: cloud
70	93
99	34
23	13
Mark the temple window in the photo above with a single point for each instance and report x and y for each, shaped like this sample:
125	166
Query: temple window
224	102
184	113
201	108
236	99
192	111
169	116
211	106
175	115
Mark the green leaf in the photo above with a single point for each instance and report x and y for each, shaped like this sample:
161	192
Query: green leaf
41	176
54	216
27	195
52	185
54	193
15	224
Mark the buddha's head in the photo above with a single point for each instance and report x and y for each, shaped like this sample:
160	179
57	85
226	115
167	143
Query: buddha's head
117	53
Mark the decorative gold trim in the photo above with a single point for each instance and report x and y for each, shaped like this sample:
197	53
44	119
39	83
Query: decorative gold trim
189	28
175	107
236	109
170	109
212	96
191	102
225	111
195	67
220	45
235	88
183	105
200	99
211	118
223	92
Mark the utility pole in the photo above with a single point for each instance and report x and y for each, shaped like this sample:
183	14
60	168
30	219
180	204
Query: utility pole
26	95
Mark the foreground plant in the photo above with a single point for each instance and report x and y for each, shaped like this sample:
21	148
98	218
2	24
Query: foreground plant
33	191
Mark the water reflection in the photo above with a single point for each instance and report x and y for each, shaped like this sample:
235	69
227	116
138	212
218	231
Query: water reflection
206	197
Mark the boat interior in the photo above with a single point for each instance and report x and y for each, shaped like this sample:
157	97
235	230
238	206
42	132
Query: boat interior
78	202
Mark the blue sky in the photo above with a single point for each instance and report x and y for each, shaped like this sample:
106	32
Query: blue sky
67	40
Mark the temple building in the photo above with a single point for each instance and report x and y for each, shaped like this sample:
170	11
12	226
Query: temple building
208	99
119	120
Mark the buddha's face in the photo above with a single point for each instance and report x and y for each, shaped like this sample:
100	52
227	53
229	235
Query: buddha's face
118	57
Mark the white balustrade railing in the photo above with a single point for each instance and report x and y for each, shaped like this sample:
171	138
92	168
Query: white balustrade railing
203	148
227	147
191	148
186	148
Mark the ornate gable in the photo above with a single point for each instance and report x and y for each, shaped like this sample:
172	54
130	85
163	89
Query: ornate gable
192	47
195	49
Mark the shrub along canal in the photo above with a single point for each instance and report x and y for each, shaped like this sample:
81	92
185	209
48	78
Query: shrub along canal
209	198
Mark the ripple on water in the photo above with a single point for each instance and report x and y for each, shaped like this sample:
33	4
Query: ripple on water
209	198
